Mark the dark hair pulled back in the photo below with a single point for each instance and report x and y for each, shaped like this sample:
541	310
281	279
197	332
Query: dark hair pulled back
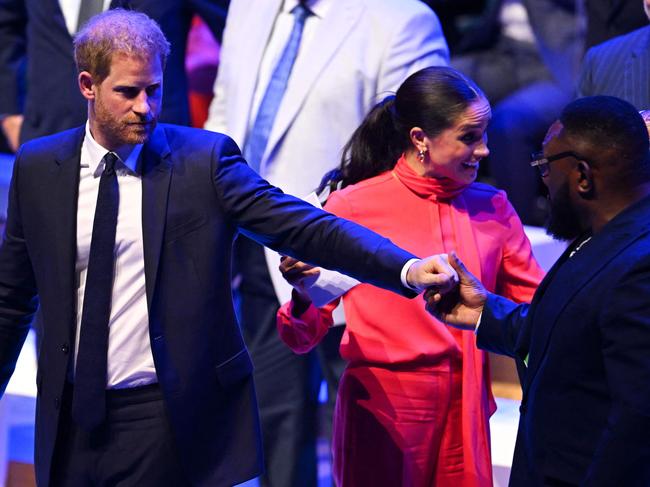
432	99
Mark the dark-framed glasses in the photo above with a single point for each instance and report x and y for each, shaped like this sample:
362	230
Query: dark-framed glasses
538	160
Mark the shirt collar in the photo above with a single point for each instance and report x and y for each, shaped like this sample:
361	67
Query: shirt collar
128	155
317	7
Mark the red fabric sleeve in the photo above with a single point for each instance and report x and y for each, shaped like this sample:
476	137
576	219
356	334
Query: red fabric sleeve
303	333
520	274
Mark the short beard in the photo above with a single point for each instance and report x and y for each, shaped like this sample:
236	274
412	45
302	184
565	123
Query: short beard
563	221
118	131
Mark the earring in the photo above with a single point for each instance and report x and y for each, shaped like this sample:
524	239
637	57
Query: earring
421	154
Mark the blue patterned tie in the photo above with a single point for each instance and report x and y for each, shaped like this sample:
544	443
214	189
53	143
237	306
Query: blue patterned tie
259	134
89	391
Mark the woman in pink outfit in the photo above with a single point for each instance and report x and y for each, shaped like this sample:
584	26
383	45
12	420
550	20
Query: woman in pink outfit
414	402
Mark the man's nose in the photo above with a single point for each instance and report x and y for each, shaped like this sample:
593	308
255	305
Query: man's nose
142	104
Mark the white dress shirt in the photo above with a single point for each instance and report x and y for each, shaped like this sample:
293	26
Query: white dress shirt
70	9
130	360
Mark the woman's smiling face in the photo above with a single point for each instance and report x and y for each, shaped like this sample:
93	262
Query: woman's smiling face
455	153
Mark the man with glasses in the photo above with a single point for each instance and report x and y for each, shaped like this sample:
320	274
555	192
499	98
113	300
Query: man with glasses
583	345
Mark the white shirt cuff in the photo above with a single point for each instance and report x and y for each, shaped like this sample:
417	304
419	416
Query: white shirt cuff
478	322
404	272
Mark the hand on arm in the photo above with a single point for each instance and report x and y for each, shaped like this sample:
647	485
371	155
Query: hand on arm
459	306
300	324
300	275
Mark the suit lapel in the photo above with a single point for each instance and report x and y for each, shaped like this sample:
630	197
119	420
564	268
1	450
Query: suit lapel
637	71
64	174
572	274
525	338
250	52
156	177
328	38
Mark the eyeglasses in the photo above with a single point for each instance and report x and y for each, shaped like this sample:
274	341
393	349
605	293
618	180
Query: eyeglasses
538	160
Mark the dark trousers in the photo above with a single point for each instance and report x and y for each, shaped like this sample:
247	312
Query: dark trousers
287	384
134	447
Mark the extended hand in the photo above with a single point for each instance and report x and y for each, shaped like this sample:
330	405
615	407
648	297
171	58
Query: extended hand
299	274
433	272
463	305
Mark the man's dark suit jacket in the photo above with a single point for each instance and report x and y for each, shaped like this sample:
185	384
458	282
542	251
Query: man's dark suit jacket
585	413
619	67
197	193
52	102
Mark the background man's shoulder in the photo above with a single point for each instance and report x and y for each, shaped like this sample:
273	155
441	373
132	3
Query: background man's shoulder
622	43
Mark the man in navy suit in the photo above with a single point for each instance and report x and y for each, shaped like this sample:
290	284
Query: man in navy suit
160	393
583	345
620	67
37	67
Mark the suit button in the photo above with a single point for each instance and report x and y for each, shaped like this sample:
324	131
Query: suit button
65	348
57	402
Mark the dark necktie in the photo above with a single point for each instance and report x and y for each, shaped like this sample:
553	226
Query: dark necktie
89	392
88	9
259	134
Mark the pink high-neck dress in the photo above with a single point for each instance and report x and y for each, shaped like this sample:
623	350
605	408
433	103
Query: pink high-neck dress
414	402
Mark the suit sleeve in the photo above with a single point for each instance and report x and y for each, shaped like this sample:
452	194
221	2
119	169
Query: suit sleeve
17	286
302	333
293	227
623	454
416	44
504	327
559	40
13	22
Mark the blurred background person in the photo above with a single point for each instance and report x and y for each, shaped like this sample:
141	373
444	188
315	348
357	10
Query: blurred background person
414	402
611	18
37	73
620	66
295	79
201	64
525	55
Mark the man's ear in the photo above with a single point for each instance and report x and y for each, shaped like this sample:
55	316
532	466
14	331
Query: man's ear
86	85
585	181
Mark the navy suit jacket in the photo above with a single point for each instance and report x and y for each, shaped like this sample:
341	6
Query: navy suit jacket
197	194
585	412
619	67
38	76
